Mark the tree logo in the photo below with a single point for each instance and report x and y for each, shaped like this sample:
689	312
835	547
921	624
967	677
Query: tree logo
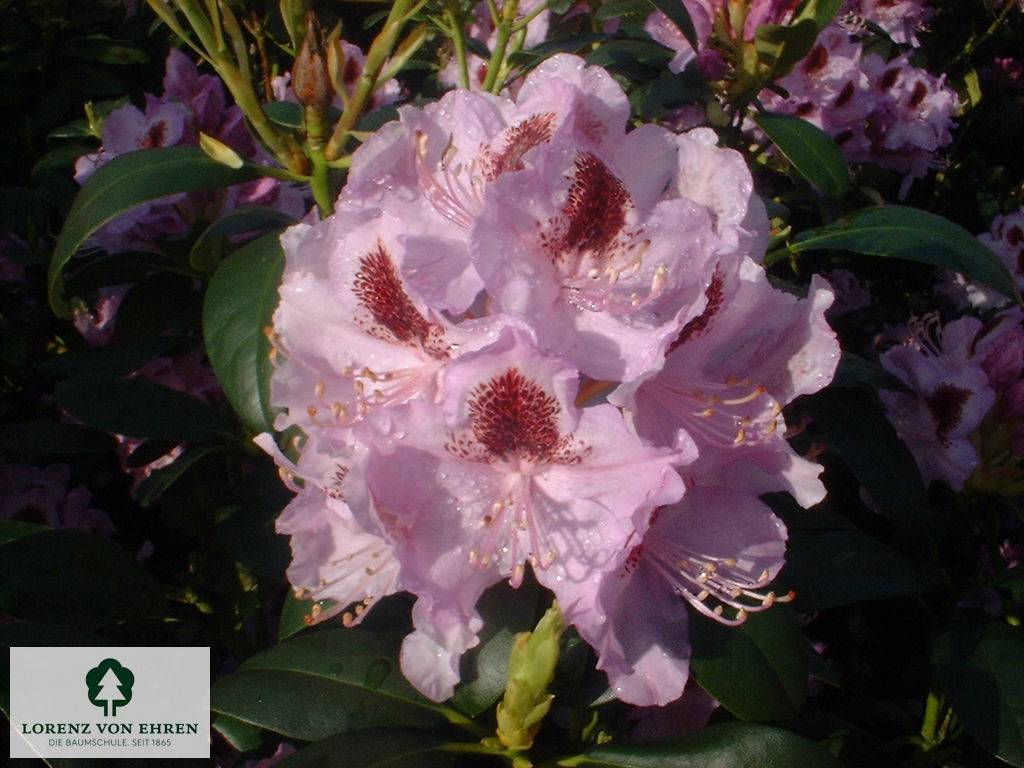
110	685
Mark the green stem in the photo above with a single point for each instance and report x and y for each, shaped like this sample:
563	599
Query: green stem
376	58
974	42
458	36
315	123
492	83
282	174
284	148
930	724
467	723
470	748
320	183
522	23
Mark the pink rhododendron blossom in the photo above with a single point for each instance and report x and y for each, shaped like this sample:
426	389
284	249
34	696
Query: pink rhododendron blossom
716	549
445	338
96	323
40	495
901	20
191	103
507	472
687	714
705	14
890	113
951	396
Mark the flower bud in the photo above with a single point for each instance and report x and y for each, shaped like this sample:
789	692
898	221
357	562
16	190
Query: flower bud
310	80
220	151
531	667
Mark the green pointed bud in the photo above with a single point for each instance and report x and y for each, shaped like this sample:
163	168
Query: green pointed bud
531	667
220	152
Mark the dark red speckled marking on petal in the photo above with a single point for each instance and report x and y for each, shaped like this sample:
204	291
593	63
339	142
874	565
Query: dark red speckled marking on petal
816	59
154	136
518	140
697	325
946	403
596	209
378	288
512	415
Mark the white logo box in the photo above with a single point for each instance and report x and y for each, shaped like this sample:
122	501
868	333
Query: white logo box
110	702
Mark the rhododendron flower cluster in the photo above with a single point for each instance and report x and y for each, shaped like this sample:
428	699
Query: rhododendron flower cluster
901	20
967	392
1005	238
41	495
191	104
889	113
528	338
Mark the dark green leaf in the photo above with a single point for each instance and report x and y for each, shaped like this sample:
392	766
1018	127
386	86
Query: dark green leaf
505	611
10	530
242	736
780	47
812	152
286	113
239	304
629	53
316	685
293	615
979	663
830	562
821	12
1013	582
208	248
758	670
153	305
664	94
729	745
868	443
104	50
121	268
53	437
855	371
547	49
375	748
122	184
616	9
138	408
247	529
159	480
908	233
72	578
116	360
149	451
680	16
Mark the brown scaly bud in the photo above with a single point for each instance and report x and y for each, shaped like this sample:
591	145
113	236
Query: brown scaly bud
310	80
